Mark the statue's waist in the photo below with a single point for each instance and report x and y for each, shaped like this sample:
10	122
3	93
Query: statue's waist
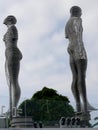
77	51
13	52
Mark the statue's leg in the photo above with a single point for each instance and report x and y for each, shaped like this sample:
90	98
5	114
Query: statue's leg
13	68
74	87
81	66
10	89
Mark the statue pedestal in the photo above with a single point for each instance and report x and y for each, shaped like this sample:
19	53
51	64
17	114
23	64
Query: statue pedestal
84	118
22	122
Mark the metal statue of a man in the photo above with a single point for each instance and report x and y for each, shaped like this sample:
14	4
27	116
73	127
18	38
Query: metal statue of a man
78	58
12	63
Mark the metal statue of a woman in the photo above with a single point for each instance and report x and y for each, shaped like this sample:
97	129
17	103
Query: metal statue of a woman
78	58
12	63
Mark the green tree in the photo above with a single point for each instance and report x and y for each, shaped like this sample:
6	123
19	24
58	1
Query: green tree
47	105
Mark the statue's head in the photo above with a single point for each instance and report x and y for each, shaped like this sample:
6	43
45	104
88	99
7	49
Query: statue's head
75	11
10	20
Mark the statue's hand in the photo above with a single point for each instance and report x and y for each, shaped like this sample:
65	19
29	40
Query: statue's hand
80	50
70	51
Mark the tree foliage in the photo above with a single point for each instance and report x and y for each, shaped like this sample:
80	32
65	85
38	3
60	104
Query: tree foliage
47	105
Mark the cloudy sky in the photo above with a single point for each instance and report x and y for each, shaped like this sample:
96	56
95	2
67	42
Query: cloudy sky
45	62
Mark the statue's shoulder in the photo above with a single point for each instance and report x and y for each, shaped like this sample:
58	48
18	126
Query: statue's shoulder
13	28
70	21
12	32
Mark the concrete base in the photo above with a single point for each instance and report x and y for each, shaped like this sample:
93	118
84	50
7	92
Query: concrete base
22	122
84	119
81	116
49	129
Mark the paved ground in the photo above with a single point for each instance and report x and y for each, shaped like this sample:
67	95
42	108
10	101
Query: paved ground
47	128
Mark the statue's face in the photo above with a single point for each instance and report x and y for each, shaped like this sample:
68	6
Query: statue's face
6	22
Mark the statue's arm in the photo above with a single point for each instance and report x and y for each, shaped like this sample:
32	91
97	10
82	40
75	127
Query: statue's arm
66	34
77	27
13	33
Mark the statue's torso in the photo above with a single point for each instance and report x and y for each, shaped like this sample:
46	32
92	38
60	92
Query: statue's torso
10	39
73	32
